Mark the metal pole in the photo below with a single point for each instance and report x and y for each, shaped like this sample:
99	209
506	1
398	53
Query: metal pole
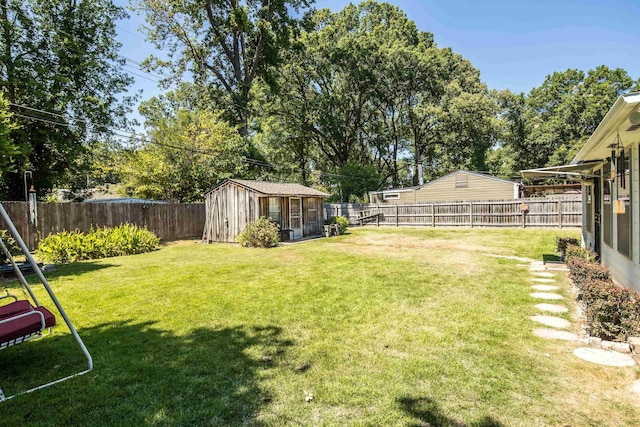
18	272
34	265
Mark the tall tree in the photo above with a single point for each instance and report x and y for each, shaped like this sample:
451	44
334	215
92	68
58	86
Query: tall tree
223	44
7	148
62	75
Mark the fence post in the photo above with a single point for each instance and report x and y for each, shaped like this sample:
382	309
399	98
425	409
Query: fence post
471	214
397	215
560	213
433	215
524	219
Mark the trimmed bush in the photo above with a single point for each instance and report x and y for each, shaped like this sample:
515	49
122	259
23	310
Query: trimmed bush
343	223
612	312
583	271
563	242
72	246
11	245
260	234
574	251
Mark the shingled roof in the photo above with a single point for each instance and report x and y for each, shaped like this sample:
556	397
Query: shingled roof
278	188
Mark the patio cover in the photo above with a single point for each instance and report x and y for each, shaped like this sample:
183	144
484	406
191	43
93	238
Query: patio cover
575	171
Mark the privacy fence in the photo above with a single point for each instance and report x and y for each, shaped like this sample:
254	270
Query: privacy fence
556	212
167	221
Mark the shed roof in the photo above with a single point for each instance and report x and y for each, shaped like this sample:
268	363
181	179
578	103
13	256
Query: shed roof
277	188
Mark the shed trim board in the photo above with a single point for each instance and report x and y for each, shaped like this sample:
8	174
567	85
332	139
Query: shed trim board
467	189
233	204
608	167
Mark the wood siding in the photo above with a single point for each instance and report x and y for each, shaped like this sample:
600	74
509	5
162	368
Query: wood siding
167	221
231	207
444	189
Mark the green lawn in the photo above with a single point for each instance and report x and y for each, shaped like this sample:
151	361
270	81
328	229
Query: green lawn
382	326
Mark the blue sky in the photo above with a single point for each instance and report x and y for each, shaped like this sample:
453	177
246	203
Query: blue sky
514	43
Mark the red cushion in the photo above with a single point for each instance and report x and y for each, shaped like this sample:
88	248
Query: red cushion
16	307
21	326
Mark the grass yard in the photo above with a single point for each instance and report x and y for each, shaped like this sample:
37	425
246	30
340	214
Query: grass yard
381	326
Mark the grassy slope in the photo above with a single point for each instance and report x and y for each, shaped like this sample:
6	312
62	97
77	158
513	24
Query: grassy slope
383	327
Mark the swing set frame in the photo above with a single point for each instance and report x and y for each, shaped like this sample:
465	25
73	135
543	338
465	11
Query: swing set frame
38	311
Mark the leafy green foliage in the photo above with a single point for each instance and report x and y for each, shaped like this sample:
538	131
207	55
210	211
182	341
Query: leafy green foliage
563	242
343	223
7	148
11	245
223	45
60	57
612	312
189	153
125	239
260	234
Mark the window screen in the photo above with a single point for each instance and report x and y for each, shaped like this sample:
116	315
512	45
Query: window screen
607	208
623	178
274	209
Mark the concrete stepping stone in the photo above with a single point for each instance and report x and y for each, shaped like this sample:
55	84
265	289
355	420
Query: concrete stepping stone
543	280
635	387
552	308
545	287
535	266
604	357
543	274
546	295
554	322
555	335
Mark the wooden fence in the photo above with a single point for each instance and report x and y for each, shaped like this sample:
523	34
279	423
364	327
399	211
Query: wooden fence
167	221
533	212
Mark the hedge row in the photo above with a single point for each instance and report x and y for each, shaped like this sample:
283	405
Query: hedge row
612	312
71	246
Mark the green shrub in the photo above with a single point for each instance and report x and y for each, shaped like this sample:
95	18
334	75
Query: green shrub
260	234
563	242
574	251
71	246
612	312
11	245
583	271
342	222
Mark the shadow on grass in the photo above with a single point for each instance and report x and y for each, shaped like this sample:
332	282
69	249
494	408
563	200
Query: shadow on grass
144	375
428	412
551	258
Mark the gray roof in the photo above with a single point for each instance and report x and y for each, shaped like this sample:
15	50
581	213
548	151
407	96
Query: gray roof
278	188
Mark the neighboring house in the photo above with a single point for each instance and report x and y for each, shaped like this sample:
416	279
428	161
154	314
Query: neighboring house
457	186
297	209
125	200
608	166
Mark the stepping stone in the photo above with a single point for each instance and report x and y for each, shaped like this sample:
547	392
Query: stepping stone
635	387
555	335
543	274
546	295
545	287
553	308
543	280
554	322
604	357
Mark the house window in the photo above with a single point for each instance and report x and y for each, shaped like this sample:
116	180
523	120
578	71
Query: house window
623	216
391	196
607	207
461	180
274	209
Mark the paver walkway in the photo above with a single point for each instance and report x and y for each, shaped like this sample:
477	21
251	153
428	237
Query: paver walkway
546	291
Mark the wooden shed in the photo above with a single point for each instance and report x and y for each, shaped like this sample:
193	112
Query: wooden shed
298	210
456	186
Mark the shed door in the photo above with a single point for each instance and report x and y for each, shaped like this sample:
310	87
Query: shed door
295	215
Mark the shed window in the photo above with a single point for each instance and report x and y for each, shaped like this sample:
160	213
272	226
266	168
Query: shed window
461	180
312	205
274	209
391	196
